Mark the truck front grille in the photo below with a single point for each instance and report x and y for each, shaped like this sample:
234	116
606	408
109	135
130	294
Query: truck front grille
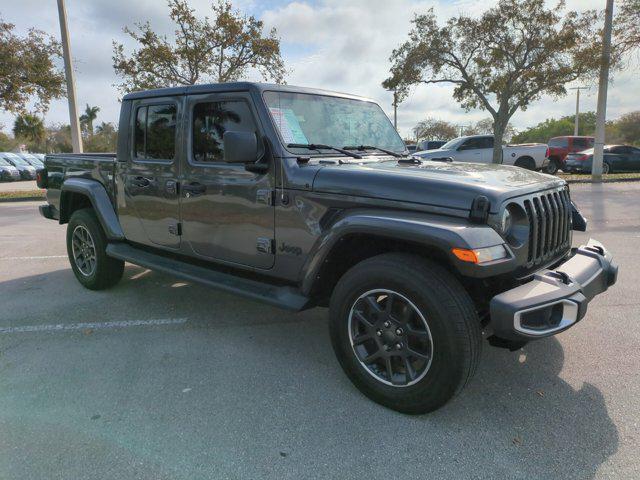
549	215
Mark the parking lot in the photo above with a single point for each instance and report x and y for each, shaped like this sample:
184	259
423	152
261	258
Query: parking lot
157	378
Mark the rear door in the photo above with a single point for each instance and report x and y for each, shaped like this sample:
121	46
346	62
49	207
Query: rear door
227	212
149	208
634	159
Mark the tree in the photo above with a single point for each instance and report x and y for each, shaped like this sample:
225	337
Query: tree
434	129
30	128
502	61
627	25
27	70
628	127
86	119
7	143
485	127
220	49
552	127
105	139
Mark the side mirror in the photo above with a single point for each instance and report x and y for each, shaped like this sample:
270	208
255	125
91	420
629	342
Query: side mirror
240	147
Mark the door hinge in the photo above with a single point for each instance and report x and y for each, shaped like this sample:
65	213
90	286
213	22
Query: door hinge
175	229
266	196
266	245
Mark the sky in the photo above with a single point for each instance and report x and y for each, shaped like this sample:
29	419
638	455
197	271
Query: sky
341	45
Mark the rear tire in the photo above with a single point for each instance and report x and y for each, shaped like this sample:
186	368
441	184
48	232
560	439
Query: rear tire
526	162
86	247
433	326
553	167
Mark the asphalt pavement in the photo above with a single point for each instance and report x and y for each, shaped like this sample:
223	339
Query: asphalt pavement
160	379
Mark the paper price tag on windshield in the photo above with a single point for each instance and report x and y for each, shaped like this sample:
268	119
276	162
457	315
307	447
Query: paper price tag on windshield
288	125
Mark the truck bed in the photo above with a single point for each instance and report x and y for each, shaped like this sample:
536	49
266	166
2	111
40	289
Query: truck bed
96	166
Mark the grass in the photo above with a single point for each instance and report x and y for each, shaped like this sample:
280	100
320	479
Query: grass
22	195
612	177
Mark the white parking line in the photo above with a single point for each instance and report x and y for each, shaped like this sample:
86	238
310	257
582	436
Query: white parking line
42	257
92	326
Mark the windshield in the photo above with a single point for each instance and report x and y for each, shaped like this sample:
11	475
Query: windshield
303	118
17	160
4	163
451	144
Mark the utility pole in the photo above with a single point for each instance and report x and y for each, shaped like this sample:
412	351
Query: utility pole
76	138
577	120
598	151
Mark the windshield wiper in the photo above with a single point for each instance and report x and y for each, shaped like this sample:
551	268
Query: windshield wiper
318	146
362	148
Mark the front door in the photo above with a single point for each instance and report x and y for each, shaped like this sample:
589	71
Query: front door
471	150
227	211
149	208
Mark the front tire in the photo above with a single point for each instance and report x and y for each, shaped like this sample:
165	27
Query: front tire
405	332
86	248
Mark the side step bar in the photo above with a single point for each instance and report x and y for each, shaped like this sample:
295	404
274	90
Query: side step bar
284	297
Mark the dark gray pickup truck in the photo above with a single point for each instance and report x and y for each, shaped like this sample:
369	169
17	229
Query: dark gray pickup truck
301	198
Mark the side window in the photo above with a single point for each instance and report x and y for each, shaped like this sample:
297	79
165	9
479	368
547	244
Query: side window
471	144
155	132
209	122
487	142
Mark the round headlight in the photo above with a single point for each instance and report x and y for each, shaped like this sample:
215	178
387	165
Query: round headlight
515	225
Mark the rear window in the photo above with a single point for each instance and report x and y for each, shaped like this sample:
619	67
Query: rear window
559	142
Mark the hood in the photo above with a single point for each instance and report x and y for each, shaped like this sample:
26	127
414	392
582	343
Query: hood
436	153
8	168
444	184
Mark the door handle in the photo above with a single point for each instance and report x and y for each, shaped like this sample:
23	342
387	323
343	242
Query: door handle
141	182
193	189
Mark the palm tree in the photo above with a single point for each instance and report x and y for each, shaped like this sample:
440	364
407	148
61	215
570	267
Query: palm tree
29	127
90	114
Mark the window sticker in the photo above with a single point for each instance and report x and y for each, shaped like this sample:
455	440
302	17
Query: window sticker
288	125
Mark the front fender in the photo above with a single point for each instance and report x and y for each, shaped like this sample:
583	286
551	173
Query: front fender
432	231
97	195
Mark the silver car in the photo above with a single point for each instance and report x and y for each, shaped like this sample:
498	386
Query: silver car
27	171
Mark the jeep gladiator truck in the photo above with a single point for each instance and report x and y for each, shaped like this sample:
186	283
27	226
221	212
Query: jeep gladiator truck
300	198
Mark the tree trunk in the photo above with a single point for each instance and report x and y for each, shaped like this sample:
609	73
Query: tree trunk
499	127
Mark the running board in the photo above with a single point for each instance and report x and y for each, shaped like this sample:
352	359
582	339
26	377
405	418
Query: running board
284	297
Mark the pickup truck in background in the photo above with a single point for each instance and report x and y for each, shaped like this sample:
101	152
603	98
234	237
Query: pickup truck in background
560	147
300	198
479	149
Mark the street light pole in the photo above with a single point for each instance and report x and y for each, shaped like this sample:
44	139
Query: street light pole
76	138
598	150
577	120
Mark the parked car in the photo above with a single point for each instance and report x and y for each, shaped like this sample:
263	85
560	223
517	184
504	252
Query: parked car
430	144
8	172
258	190
560	147
412	148
617	158
32	160
479	149
27	172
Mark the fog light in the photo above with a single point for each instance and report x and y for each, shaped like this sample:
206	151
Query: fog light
481	255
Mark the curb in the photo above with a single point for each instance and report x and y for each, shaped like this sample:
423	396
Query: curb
21	199
611	180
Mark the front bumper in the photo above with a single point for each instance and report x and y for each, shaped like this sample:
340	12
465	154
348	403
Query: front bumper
555	299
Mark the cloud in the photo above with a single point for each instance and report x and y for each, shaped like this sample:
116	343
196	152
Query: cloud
341	45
